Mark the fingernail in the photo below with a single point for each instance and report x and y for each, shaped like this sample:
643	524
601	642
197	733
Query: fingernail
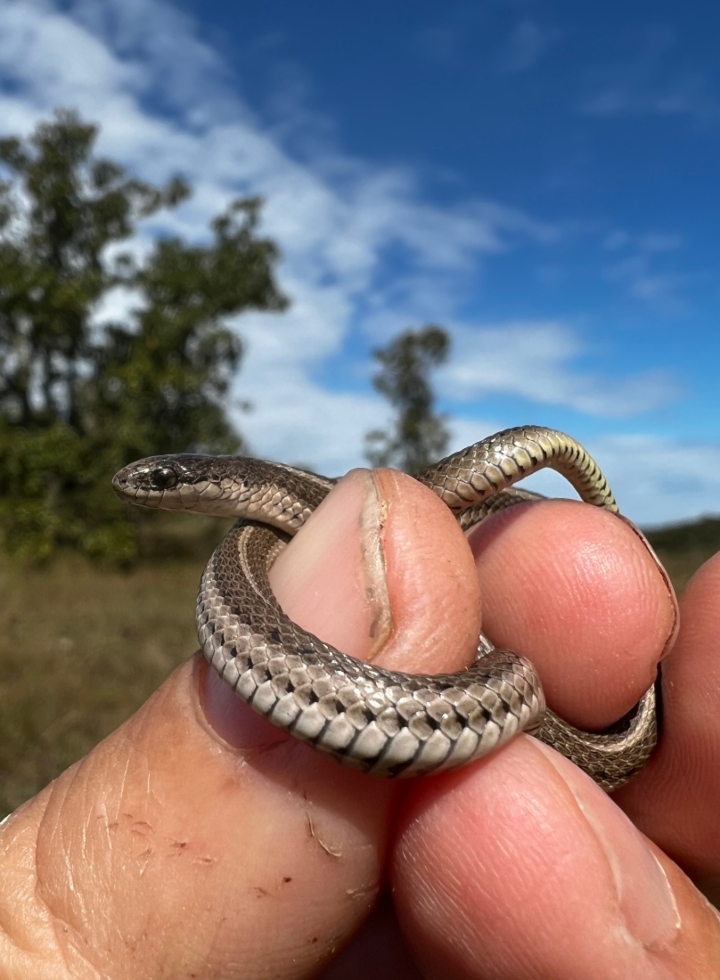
645	898
331	581
670	642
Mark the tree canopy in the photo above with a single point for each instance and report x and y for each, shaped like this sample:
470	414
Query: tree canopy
82	392
418	435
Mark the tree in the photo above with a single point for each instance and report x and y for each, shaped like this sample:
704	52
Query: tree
418	436
81	395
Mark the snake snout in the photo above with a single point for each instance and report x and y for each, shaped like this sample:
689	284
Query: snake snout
147	482
120	482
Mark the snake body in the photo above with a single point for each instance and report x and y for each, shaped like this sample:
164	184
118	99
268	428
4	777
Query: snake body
383	722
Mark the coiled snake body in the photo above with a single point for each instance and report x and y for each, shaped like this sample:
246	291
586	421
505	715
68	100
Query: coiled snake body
383	722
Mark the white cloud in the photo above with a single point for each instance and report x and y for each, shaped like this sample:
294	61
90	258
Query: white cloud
688	96
636	269
648	474
654	241
659	479
333	232
663	290
642	84
166	103
524	47
535	361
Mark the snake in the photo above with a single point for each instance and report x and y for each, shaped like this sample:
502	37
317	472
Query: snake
382	722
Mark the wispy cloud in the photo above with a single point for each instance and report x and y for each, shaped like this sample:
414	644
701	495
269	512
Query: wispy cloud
646	84
437	43
635	265
525	46
688	96
445	40
646	471
539	361
651	241
365	253
335	219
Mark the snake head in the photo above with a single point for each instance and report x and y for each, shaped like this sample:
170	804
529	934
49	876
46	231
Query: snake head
223	486
165	482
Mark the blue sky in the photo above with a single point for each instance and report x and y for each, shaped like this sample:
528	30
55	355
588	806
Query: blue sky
540	178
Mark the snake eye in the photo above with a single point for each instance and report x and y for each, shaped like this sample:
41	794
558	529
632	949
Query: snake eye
163	478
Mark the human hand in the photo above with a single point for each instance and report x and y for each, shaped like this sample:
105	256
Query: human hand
199	840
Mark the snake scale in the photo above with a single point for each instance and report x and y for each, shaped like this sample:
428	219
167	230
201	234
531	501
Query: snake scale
382	722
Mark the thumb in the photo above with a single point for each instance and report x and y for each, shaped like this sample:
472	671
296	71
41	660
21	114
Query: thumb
197	838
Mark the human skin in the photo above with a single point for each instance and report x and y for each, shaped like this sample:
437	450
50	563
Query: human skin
199	841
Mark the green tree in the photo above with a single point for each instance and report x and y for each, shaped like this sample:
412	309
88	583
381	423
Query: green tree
80	394
418	436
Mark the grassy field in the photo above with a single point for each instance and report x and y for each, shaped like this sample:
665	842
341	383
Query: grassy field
81	648
683	548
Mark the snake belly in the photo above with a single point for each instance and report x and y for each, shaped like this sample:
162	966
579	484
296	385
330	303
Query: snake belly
385	723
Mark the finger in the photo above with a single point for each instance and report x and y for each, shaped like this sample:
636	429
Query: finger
379	950
577	591
198	836
410	542
520	866
676	799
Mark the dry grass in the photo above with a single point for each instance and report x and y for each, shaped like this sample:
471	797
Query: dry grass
683	548
81	648
681	567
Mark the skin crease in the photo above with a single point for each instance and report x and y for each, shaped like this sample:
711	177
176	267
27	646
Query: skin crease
197	840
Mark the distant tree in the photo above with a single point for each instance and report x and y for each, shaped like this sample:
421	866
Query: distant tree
418	436
81	394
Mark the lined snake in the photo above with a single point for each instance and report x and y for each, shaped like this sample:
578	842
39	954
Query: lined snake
382	722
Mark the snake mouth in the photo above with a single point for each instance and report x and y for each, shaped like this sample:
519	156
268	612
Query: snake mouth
121	484
138	496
